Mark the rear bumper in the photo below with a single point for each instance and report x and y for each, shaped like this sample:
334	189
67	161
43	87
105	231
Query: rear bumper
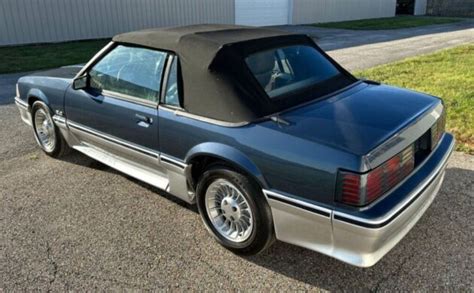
24	109
363	238
363	241
365	246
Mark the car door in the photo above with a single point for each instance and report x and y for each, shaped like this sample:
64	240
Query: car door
118	111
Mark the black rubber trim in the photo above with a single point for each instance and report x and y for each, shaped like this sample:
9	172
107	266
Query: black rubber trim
368	225
114	141
316	211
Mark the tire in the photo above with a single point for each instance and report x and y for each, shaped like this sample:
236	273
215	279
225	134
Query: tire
47	135
223	196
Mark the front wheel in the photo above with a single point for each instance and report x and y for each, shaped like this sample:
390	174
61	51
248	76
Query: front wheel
46	133
235	211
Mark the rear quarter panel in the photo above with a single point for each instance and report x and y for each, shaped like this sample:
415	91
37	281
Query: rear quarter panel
281	162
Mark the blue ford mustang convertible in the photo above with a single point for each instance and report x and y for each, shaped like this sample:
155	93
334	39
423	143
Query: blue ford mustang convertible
261	129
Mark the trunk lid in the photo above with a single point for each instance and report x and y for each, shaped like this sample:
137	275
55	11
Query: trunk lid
359	119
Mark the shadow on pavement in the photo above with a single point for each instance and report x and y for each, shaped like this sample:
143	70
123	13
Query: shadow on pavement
80	159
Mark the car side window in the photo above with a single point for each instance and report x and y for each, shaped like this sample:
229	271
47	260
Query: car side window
172	88
131	71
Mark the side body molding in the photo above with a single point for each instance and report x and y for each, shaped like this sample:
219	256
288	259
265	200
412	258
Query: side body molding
229	154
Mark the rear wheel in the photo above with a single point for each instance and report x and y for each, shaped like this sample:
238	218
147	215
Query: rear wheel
235	211
47	134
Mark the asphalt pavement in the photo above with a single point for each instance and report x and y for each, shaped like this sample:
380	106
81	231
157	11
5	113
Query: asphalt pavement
7	87
75	224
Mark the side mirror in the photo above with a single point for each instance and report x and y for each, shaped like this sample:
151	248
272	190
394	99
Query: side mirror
80	83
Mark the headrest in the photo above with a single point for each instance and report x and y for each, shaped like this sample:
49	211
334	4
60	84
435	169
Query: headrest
262	62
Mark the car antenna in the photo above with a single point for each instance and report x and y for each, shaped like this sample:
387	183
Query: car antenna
278	120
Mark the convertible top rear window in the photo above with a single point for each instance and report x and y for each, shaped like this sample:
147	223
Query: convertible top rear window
287	69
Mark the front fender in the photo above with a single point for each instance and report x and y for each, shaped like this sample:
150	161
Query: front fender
47	89
36	94
228	154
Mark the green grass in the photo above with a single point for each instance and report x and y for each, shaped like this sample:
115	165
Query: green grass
35	57
448	74
396	22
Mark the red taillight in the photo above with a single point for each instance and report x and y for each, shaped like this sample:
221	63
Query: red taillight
350	188
361	189
437	130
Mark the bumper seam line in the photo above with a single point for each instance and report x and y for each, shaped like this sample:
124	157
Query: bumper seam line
297	203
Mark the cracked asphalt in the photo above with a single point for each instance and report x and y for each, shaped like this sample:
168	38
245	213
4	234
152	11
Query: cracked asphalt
75	224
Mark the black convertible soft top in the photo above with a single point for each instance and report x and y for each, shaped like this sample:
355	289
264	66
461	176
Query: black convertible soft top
199	42
216	83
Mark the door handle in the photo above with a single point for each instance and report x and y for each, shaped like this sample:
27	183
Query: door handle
143	120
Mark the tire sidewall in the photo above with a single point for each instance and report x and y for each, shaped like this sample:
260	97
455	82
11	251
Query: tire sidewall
261	228
57	144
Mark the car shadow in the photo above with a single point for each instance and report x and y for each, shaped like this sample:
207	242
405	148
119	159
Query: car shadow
417	253
80	159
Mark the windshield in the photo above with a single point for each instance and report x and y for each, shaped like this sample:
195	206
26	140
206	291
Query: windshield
286	69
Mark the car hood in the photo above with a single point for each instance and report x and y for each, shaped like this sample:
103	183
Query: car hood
359	119
66	72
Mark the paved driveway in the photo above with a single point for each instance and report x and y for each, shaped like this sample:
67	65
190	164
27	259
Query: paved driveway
7	87
357	50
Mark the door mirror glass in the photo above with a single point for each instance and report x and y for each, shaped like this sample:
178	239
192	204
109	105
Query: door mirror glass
80	82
